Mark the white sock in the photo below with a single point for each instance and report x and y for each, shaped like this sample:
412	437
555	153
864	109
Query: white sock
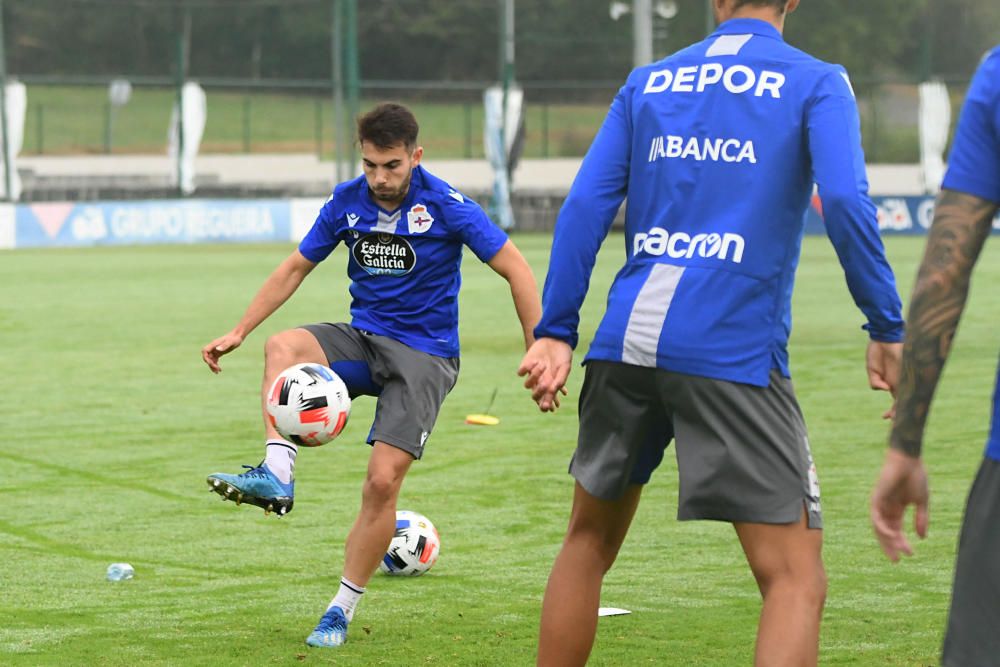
347	597
280	459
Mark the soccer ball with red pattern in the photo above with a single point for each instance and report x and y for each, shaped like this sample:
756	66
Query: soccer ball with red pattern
415	546
308	404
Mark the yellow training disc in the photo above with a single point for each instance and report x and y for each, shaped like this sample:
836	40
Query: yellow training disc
482	420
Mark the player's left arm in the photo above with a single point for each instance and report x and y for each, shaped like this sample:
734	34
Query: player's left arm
834	134
510	263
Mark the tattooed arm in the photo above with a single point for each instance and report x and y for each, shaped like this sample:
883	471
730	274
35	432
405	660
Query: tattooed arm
961	224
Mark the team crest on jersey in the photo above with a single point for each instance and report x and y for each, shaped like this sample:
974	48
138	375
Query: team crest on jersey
418	219
384	254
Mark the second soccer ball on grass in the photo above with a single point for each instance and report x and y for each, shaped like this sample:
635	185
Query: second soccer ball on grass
414	547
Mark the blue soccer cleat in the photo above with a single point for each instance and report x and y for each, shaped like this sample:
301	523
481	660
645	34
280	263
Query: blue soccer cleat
331	631
257	486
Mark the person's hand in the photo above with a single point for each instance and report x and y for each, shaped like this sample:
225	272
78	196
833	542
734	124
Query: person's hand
902	482
218	347
546	366
882	361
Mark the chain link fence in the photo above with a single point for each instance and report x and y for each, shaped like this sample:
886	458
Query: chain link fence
73	118
266	68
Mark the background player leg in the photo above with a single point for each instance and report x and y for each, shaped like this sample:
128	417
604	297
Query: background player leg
368	541
788	566
596	531
376	522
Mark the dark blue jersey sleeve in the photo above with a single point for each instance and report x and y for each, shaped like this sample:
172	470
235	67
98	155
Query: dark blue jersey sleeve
583	223
974	162
322	238
476	229
849	214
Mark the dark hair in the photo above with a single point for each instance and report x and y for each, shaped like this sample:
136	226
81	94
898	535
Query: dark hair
388	125
777	4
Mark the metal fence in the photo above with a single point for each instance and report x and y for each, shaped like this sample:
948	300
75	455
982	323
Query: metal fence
66	117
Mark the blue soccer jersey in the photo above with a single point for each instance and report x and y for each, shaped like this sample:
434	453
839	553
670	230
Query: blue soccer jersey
404	264
974	167
717	148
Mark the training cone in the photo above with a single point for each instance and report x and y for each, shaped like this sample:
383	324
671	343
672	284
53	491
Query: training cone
482	420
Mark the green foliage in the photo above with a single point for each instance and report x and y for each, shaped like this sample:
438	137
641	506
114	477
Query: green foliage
458	40
868	38
113	422
437	55
428	39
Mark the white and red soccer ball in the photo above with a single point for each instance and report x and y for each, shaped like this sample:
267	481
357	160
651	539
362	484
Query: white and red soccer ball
414	548
308	404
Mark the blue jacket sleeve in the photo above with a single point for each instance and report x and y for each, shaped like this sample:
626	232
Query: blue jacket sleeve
583	223
850	216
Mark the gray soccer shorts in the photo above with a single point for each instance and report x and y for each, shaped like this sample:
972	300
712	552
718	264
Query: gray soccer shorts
410	384
973	636
742	451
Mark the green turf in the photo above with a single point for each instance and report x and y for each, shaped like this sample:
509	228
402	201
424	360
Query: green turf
112	422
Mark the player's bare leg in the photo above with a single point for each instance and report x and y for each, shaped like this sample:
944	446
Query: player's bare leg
376	523
786	561
368	541
284	349
596	531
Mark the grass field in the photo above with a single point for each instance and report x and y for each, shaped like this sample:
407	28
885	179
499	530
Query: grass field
113	422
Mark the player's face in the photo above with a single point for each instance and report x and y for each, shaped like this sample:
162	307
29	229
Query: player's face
388	171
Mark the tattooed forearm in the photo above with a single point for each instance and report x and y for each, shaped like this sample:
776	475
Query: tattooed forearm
961	224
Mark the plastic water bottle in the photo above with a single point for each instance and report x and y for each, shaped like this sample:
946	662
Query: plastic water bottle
120	572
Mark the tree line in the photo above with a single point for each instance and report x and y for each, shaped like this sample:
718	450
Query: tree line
458	40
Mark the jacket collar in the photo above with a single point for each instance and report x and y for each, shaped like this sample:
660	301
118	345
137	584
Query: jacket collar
748	26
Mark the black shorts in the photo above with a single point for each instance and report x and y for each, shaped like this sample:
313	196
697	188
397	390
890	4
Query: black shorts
410	384
973	635
742	450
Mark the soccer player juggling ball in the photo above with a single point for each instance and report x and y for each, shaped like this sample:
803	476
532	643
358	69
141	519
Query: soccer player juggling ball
716	149
402	342
963	218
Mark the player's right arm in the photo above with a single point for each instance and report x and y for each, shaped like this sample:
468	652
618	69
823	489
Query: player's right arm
961	224
963	218
278	287
315	246
583	223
